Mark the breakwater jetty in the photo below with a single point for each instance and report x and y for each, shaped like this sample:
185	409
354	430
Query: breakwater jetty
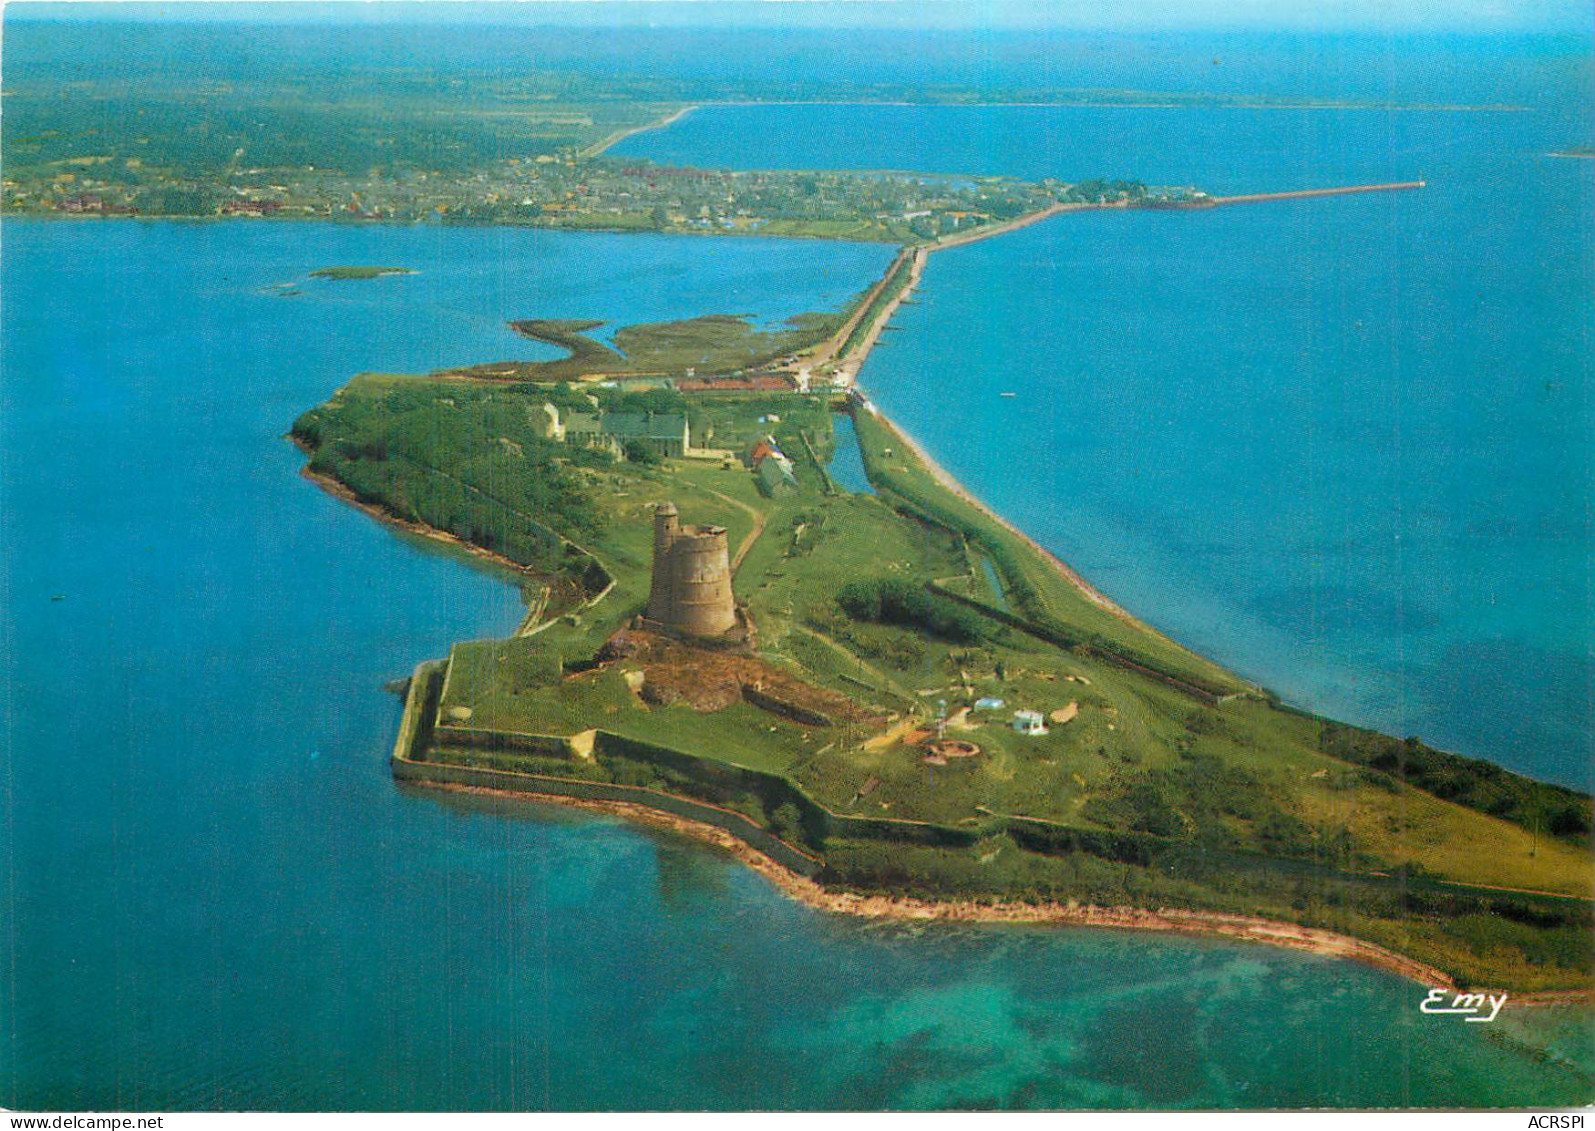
1302	194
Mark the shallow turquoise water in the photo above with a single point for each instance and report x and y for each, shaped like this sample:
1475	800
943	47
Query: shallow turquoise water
1341	445
220	899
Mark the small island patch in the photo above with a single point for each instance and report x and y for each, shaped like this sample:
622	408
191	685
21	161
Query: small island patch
343	273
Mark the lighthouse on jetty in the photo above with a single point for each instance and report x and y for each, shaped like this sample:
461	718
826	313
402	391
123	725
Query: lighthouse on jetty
691	589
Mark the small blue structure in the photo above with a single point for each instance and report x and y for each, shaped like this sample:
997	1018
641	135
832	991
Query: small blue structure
988	704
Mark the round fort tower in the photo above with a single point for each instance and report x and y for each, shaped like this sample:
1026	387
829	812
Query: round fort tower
691	589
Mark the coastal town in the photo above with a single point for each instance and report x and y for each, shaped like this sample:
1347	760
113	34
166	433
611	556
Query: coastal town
520	153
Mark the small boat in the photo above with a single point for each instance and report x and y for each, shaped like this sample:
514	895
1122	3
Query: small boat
1007	394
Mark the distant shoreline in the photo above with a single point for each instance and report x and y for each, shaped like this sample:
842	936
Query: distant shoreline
604	145
954	239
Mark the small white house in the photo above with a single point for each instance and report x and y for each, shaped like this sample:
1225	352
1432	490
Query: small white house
1029	722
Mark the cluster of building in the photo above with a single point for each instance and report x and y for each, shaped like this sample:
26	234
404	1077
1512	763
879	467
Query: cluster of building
92	204
666	435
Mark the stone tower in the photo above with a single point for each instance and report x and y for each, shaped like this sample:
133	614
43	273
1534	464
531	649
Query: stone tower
692	576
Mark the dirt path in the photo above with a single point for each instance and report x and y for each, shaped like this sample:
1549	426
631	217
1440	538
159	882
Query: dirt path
1511	891
884	680
849	365
958	239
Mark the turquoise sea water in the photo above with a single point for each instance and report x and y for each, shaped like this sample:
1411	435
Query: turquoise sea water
217	896
1342	445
